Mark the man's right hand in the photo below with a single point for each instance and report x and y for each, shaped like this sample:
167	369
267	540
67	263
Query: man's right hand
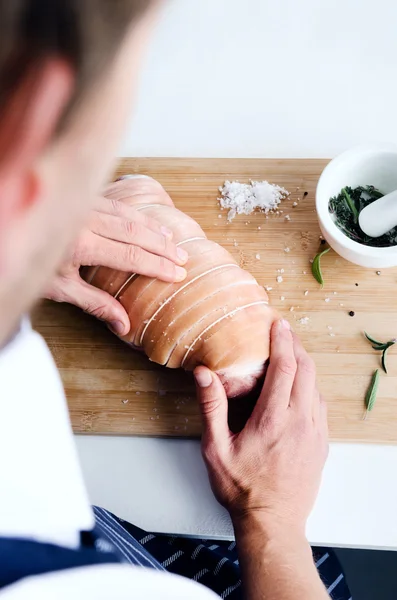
272	469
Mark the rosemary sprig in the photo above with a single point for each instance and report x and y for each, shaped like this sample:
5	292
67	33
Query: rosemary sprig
316	267
381	347
384	353
370	396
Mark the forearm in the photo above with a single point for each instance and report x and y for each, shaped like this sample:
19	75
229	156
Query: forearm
276	562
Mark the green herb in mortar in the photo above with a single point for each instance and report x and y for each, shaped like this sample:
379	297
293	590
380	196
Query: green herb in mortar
345	209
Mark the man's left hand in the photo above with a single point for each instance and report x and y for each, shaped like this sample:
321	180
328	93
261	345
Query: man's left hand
119	237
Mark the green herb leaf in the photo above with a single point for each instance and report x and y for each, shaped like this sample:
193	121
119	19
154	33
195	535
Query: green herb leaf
373	340
350	204
384	354
316	266
370	396
380	347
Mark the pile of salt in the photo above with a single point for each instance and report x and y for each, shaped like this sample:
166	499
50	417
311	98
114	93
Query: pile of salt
245	198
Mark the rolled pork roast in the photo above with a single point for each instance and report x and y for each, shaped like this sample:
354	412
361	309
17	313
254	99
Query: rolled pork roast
218	316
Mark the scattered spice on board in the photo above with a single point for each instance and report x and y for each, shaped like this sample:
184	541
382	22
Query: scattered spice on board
303	320
345	209
351	313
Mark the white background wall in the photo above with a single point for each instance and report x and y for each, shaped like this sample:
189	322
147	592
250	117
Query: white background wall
267	78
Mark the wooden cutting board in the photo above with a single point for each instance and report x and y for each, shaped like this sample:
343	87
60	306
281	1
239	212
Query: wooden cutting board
113	390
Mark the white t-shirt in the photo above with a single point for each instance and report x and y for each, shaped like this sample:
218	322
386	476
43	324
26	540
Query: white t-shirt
42	492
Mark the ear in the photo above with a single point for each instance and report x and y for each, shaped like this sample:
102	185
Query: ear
27	126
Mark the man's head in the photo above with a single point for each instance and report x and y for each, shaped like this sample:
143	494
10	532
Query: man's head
67	75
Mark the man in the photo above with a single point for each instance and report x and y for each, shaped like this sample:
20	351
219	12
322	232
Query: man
67	77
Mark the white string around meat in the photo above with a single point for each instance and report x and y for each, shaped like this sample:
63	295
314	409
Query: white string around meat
217	309
230	314
233	265
117	294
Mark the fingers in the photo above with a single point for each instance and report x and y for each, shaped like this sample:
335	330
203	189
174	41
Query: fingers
304	396
138	190
139	231
115	208
93	301
97	250
276	391
213	406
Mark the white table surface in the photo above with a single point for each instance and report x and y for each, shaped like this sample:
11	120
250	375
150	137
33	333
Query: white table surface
161	485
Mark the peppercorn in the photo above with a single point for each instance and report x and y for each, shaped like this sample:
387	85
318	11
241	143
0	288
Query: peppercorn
323	242
351	313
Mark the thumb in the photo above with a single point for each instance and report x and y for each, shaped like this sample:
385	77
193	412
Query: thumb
95	302
213	404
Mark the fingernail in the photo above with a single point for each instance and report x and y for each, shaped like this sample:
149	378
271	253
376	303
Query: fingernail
283	324
180	274
182	254
117	327
203	378
166	232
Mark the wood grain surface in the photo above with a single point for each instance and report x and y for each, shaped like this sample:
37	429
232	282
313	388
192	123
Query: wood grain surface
111	389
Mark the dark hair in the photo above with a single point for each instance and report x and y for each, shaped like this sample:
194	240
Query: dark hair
86	33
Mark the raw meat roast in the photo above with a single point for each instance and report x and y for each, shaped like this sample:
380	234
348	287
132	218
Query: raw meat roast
218	316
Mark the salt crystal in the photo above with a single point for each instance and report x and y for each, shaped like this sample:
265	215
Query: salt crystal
259	227
335	293
279	279
294	204
291	309
306	293
305	272
138	393
311	260
303	320
257	256
219	216
282	298
341	304
245	198
124	401
287	218
332	335
327	300
268	288
329	327
286	249
235	244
